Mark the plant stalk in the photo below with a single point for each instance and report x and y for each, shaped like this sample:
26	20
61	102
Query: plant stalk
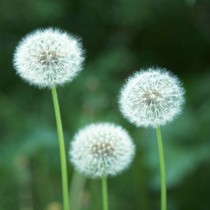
105	193
63	161
162	170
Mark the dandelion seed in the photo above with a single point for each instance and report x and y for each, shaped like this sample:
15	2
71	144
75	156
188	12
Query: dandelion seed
48	57
151	98
101	149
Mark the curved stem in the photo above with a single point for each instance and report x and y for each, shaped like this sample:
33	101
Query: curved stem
105	193
62	150
162	170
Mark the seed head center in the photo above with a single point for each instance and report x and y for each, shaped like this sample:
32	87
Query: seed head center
102	149
48	58
151	97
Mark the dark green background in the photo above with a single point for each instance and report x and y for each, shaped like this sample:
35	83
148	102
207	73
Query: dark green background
120	37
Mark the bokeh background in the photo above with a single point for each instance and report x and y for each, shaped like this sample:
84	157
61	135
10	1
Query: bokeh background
120	37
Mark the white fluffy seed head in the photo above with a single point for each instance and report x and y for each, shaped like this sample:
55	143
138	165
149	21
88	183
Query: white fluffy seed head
151	97
48	57
101	149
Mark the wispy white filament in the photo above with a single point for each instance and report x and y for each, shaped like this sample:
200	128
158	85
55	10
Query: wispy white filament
151	97
48	57
101	149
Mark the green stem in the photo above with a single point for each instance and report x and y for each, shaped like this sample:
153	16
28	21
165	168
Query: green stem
76	190
62	150
162	170
105	193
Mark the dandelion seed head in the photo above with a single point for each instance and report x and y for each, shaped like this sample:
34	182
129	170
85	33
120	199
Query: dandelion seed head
151	97
48	57
101	149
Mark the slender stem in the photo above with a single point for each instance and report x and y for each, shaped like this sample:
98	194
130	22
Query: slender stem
105	193
76	189
162	170
62	150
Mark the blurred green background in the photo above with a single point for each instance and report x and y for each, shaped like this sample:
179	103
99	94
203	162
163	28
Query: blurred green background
120	37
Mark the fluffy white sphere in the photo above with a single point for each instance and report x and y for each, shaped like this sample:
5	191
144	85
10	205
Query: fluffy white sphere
151	98
101	149
48	57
